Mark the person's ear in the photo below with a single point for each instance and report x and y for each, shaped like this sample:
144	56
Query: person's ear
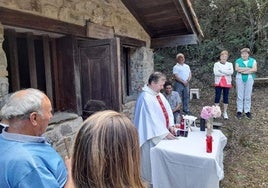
33	118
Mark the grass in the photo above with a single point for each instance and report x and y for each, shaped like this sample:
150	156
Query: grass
246	152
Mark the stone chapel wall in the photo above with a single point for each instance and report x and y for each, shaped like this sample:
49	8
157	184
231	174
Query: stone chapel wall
111	13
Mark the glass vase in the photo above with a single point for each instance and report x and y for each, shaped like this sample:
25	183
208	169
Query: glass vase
209	125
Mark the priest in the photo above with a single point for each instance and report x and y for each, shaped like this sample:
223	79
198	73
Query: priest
153	119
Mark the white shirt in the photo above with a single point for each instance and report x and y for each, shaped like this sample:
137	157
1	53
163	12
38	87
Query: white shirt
182	71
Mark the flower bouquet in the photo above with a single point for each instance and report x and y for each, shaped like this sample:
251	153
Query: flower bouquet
208	113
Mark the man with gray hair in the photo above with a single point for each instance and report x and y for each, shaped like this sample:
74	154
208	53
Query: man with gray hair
26	159
182	75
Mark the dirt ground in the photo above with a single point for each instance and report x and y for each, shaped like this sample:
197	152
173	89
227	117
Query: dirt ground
246	152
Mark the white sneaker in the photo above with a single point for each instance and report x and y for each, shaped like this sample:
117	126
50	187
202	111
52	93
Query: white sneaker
225	115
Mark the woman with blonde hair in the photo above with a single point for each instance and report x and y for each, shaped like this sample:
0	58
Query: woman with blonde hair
106	153
223	71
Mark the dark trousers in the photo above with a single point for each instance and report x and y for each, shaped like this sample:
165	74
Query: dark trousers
218	91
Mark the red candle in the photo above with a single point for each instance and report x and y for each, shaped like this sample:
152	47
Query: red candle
209	144
182	124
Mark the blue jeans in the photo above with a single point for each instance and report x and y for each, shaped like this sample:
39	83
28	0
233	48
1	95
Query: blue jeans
184	93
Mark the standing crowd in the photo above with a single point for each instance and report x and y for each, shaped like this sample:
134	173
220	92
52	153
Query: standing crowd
155	115
245	68
109	150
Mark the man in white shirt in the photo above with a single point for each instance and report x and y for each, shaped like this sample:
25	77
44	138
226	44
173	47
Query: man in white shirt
182	74
153	119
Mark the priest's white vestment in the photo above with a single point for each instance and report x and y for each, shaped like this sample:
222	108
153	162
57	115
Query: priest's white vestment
150	122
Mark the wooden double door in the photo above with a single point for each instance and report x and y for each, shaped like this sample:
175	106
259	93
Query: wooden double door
89	73
77	74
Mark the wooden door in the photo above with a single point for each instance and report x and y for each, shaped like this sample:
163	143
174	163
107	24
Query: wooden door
67	75
100	74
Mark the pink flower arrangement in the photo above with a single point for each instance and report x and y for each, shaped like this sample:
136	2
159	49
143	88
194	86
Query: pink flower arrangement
210	112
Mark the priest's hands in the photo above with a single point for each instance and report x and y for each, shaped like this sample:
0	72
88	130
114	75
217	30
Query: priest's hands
170	136
172	130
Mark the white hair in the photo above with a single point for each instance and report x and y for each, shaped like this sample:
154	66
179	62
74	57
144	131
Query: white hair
22	103
179	55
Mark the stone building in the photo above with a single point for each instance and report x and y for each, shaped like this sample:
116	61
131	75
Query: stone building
87	55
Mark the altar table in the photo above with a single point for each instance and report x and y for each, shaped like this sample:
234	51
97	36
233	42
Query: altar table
184	162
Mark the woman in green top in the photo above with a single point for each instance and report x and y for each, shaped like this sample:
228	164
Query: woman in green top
246	67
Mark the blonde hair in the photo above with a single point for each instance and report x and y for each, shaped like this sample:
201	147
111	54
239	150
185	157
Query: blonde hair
224	52
106	152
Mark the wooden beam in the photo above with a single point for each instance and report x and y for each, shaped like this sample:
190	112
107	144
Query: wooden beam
16	18
174	41
261	79
180	6
32	60
13	59
127	41
48	71
99	31
55	74
129	5
260	82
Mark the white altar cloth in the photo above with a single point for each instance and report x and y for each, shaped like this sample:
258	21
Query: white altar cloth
184	162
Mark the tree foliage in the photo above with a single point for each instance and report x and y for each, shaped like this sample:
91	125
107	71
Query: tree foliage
227	25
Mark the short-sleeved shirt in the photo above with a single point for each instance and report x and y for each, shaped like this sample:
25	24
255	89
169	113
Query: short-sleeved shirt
30	161
173	99
183	71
